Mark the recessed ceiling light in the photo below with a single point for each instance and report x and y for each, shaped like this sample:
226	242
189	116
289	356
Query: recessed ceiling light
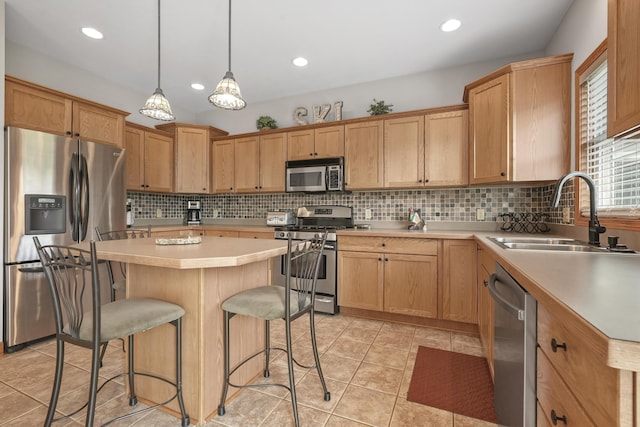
300	61
92	33
450	25
197	86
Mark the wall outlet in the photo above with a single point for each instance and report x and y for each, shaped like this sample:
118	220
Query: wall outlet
368	214
480	214
216	213
566	215
158	213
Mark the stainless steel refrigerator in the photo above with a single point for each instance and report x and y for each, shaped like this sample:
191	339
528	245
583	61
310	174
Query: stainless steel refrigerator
59	189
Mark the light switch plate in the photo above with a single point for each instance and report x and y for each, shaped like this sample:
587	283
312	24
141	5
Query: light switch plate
368	214
566	215
158	213
480	214
216	213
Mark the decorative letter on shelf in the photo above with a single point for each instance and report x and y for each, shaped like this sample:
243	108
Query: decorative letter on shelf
337	110
319	113
298	113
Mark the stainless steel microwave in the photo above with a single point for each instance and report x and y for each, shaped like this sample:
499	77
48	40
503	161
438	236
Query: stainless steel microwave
315	175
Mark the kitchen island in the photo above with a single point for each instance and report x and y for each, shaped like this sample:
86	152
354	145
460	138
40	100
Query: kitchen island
198	277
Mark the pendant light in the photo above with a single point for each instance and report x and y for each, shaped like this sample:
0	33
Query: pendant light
227	94
157	106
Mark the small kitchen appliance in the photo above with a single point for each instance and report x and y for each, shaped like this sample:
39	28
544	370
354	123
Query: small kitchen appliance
193	212
280	218
312	221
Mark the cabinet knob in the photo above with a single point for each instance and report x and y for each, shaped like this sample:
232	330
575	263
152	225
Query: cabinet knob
502	174
426	180
386	259
315	154
379	259
555	346
420	180
311	154
230	188
68	132
555	418
76	134
256	187
384	244
485	283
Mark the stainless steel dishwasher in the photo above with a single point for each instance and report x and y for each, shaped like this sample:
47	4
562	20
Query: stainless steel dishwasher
514	351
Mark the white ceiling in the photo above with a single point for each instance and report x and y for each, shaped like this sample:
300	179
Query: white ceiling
346	41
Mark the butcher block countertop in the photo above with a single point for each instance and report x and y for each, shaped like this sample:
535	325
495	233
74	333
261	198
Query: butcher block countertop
211	252
602	289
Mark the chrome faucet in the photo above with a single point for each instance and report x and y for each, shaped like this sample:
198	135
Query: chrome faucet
595	229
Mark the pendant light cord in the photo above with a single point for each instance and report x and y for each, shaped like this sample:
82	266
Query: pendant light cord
229	35
158	44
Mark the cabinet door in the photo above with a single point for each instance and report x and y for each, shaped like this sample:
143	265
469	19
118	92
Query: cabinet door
360	280
404	152
363	153
30	108
191	160
273	155
134	149
623	102
223	164
329	142
489	124
247	164
96	124
301	145
446	149
158	163
459	281
485	314
411	285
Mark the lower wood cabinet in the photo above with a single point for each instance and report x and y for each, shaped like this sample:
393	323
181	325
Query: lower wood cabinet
486	267
459	292
391	274
572	378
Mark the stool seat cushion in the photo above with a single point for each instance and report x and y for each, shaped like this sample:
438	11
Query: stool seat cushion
265	302
129	316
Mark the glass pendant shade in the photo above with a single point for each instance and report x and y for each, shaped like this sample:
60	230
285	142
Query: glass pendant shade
157	107
227	94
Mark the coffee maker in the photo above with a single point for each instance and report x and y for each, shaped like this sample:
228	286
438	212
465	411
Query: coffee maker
193	212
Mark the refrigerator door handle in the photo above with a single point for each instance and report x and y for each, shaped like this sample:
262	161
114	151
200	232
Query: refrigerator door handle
84	192
74	198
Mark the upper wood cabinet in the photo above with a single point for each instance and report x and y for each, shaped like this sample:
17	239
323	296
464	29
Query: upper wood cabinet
426	151
31	106
223	178
519	122
316	143
623	62
149	154
191	145
363	155
260	163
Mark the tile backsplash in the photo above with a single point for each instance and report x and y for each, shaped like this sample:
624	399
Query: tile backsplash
451	204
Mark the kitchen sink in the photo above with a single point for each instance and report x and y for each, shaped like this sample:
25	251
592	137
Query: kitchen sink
546	244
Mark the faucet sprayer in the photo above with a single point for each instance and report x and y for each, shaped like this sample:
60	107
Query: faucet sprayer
595	229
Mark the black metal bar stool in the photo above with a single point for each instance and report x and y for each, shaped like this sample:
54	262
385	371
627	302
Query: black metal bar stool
82	319
290	302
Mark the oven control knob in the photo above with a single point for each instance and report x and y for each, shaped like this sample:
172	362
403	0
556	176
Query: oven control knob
283	234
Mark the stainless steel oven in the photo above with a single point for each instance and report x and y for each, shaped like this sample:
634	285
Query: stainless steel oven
312	220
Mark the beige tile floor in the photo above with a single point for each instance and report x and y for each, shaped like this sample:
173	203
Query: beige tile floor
367	365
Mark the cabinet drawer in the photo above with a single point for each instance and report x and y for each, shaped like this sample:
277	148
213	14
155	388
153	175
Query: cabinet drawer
595	385
554	397
397	245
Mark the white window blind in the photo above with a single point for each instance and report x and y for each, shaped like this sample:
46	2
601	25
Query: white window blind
614	164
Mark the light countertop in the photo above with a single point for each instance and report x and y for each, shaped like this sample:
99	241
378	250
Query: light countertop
211	252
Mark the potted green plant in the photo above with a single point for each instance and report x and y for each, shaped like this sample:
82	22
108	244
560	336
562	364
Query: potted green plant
266	122
379	107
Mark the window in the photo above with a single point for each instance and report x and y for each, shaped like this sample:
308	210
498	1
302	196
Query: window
613	163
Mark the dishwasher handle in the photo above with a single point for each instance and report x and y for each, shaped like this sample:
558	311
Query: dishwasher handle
512	309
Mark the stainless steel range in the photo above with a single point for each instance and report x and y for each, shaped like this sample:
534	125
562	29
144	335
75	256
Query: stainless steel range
312	220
